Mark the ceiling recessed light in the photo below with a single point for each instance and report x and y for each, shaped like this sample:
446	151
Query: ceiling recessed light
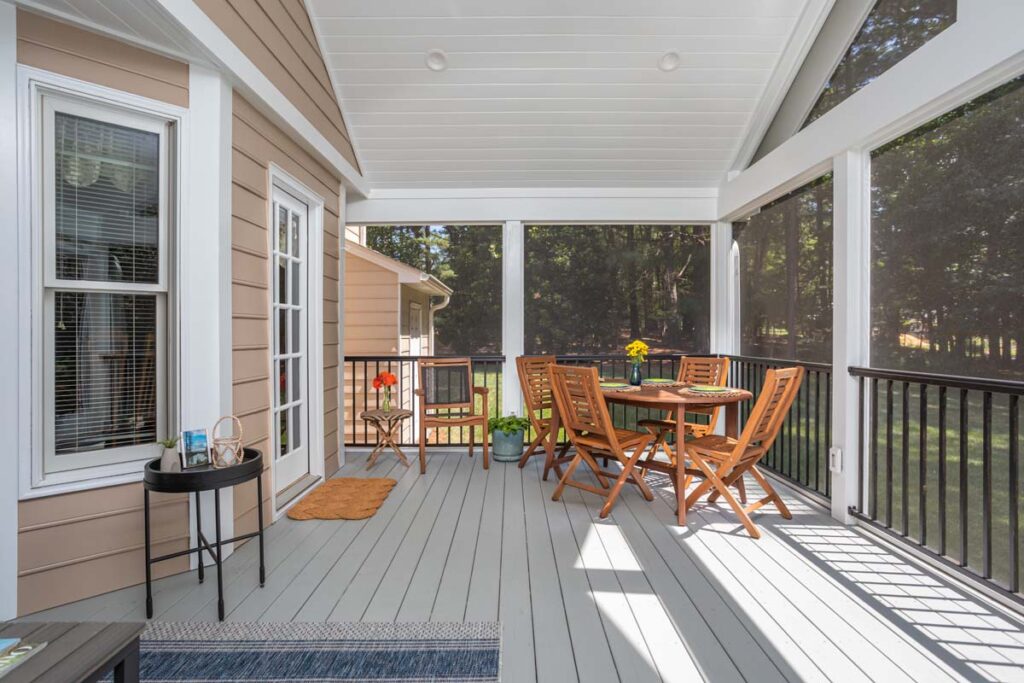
669	61
437	60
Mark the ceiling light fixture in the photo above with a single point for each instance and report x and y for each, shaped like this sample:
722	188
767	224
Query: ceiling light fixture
437	60
669	61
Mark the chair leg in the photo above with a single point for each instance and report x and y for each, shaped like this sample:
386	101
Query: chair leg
715	480
423	448
486	446
529	451
772	493
627	475
735	478
573	464
472	438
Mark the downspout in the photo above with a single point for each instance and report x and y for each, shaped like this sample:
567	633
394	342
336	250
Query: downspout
434	308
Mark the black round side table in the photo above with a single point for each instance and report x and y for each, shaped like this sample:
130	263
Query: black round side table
194	480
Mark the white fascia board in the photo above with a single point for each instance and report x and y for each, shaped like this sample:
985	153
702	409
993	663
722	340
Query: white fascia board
978	52
545	205
407	275
254	84
786	69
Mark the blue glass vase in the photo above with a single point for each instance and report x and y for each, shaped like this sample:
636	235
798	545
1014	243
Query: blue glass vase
635	378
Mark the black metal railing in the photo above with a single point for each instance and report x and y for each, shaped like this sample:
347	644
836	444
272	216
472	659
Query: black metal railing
360	395
800	453
940	458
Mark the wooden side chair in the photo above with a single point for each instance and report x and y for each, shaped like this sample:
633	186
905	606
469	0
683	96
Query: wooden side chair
447	399
584	414
722	461
536	386
692	370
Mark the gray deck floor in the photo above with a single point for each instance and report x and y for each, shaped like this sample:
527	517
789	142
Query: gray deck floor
630	598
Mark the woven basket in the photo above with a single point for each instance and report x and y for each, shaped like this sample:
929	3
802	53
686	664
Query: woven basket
226	450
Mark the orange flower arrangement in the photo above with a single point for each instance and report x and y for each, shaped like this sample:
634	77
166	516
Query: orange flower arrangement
385	381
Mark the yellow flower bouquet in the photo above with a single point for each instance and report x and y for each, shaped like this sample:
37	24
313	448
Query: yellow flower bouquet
637	351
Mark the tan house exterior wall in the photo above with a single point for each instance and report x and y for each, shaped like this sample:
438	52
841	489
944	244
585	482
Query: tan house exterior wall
256	143
277	36
80	544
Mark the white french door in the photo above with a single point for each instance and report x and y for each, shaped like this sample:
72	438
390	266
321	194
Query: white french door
290	339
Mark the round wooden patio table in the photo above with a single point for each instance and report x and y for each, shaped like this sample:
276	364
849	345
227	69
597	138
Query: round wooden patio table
676	400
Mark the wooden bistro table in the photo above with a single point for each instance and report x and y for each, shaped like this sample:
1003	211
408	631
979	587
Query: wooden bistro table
676	400
386	424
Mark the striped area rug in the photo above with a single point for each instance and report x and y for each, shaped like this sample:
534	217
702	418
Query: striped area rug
308	652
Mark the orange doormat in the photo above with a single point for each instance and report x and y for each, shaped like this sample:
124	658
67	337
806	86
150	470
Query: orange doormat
343	498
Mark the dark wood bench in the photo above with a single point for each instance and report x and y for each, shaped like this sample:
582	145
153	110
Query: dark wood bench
77	652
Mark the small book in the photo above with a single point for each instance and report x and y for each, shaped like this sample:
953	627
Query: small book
18	654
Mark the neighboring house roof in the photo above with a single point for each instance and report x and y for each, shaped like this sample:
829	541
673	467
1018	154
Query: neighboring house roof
407	275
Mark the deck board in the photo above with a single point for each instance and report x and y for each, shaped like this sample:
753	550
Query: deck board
632	597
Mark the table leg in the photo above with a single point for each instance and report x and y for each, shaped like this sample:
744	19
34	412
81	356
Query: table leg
220	571
127	670
259	518
199	530
681	479
732	419
149	571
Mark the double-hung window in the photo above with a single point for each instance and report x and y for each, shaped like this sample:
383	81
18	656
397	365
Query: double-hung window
104	207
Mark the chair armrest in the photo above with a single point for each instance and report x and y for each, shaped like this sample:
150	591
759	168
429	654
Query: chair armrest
483	391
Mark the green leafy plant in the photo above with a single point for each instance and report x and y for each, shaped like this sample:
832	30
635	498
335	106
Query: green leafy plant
509	424
171	442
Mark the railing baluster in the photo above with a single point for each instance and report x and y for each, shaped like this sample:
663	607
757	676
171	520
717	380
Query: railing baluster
828	429
964	483
874	448
817	422
942	470
862	474
922	468
905	460
888	454
1014	498
986	484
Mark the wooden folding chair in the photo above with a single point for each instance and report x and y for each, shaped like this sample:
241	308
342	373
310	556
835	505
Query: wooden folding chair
536	386
446	391
584	414
692	370
722	461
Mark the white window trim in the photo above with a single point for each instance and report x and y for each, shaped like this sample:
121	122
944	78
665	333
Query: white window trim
32	83
280	178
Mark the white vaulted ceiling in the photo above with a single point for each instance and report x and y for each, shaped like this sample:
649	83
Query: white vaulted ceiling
559	93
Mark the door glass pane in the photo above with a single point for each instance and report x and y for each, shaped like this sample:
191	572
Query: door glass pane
296	378
296	433
282	229
295	243
107	201
296	331
104	370
296	277
282	440
283	380
282	331
282	280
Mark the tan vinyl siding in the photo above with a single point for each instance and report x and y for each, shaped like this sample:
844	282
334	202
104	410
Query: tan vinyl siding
256	143
76	545
53	46
371	328
277	36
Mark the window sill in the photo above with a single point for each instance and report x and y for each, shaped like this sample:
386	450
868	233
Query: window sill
82	480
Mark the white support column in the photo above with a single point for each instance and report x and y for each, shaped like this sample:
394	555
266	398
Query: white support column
10	417
204	273
512	316
724	293
850	320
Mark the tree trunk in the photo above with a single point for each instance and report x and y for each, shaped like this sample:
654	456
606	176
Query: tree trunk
792	218
632	283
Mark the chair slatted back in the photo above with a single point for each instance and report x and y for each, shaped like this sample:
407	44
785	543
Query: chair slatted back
581	406
780	389
536	385
698	370
446	383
